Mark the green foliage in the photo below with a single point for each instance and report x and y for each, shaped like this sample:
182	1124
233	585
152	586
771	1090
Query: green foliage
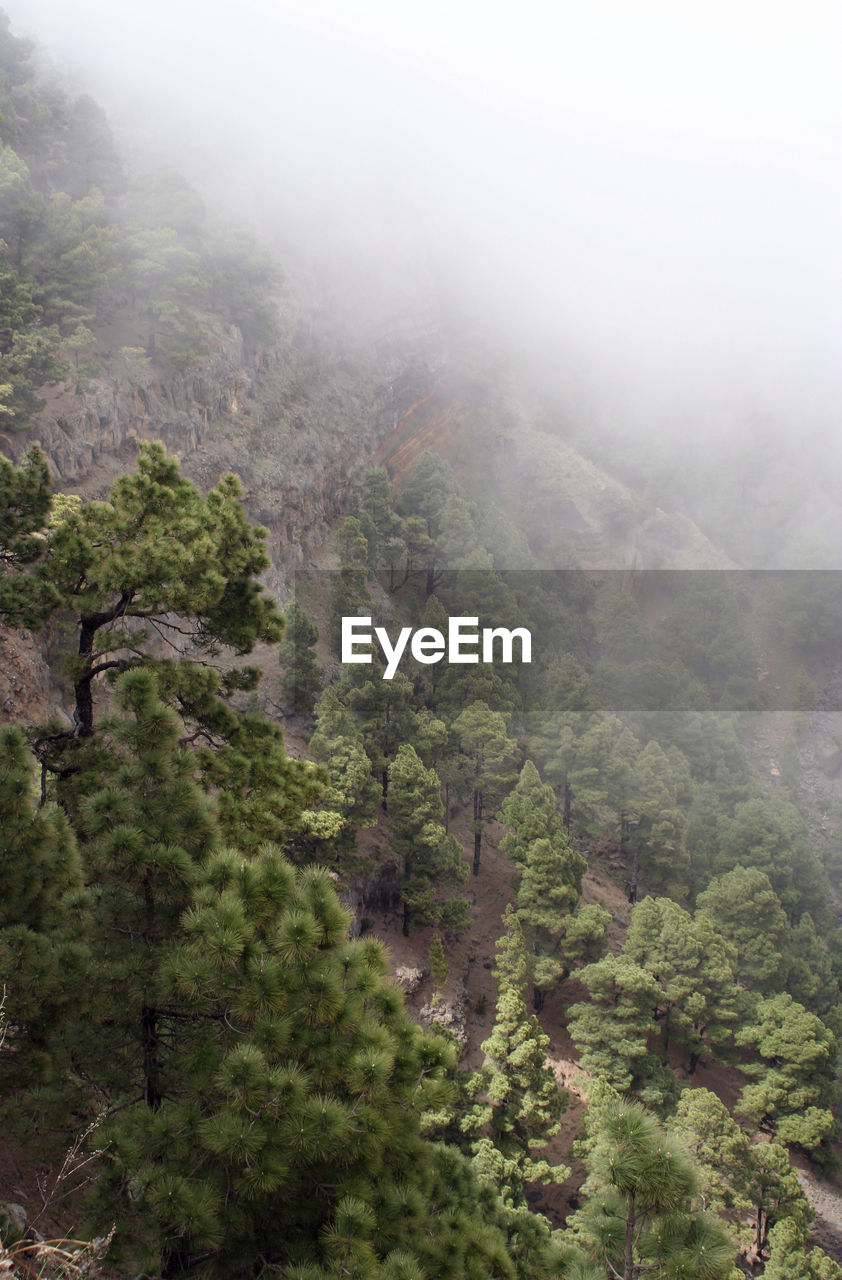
432	862
350	799
771	836
655	824
551	881
793	1078
639	1215
559	739
156	556
299	1075
805	611
719	1147
77	254
810	977
790	1259
745	910
487	761
584	935
351	544
28	349
79	242
530	813
439	967
737	1174
25	497
520	1103
146	829
380	525
614	1031
704	628
384	713
698	1003
43	910
302	676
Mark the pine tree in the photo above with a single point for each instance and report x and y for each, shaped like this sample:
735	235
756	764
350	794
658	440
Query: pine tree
380	525
615	1029
302	676
520	1102
349	801
156	557
744	908
810	977
791	1259
793	1079
438	966
567	710
530	813
720	1149
551	876
547	896
147	829
639	1216
432	863
385	716
699	1003
655	825
771	836
488	759
300	1081
428	488
604	775
774	1195
737	1174
25	496
260	791
43	910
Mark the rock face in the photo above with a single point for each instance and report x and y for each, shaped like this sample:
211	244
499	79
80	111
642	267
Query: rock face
12	1222
299	421
451	1015
409	978
26	691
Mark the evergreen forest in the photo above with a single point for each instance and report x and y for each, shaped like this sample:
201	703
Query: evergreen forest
494	971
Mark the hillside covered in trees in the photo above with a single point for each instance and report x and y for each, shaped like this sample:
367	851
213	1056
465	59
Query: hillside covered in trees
204	1051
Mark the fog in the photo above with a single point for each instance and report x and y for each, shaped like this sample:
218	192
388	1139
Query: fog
646	191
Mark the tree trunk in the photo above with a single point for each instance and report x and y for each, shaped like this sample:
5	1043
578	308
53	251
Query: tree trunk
151	1065
82	688
89	625
538	998
384	784
477	830
447	808
666	1035
406	919
628	1256
567	804
635	868
174	1262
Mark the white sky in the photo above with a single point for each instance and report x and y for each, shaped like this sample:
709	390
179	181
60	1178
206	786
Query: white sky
655	184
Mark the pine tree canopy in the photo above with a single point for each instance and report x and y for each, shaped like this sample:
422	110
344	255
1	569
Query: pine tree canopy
156	558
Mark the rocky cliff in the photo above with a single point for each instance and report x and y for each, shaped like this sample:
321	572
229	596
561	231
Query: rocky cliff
299	420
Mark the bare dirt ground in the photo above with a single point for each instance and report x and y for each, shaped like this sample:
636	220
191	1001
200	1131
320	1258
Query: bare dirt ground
826	1202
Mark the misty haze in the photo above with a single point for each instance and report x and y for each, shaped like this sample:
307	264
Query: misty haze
420	641
642	203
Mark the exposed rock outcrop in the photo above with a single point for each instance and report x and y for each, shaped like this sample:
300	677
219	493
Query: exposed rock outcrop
299	420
